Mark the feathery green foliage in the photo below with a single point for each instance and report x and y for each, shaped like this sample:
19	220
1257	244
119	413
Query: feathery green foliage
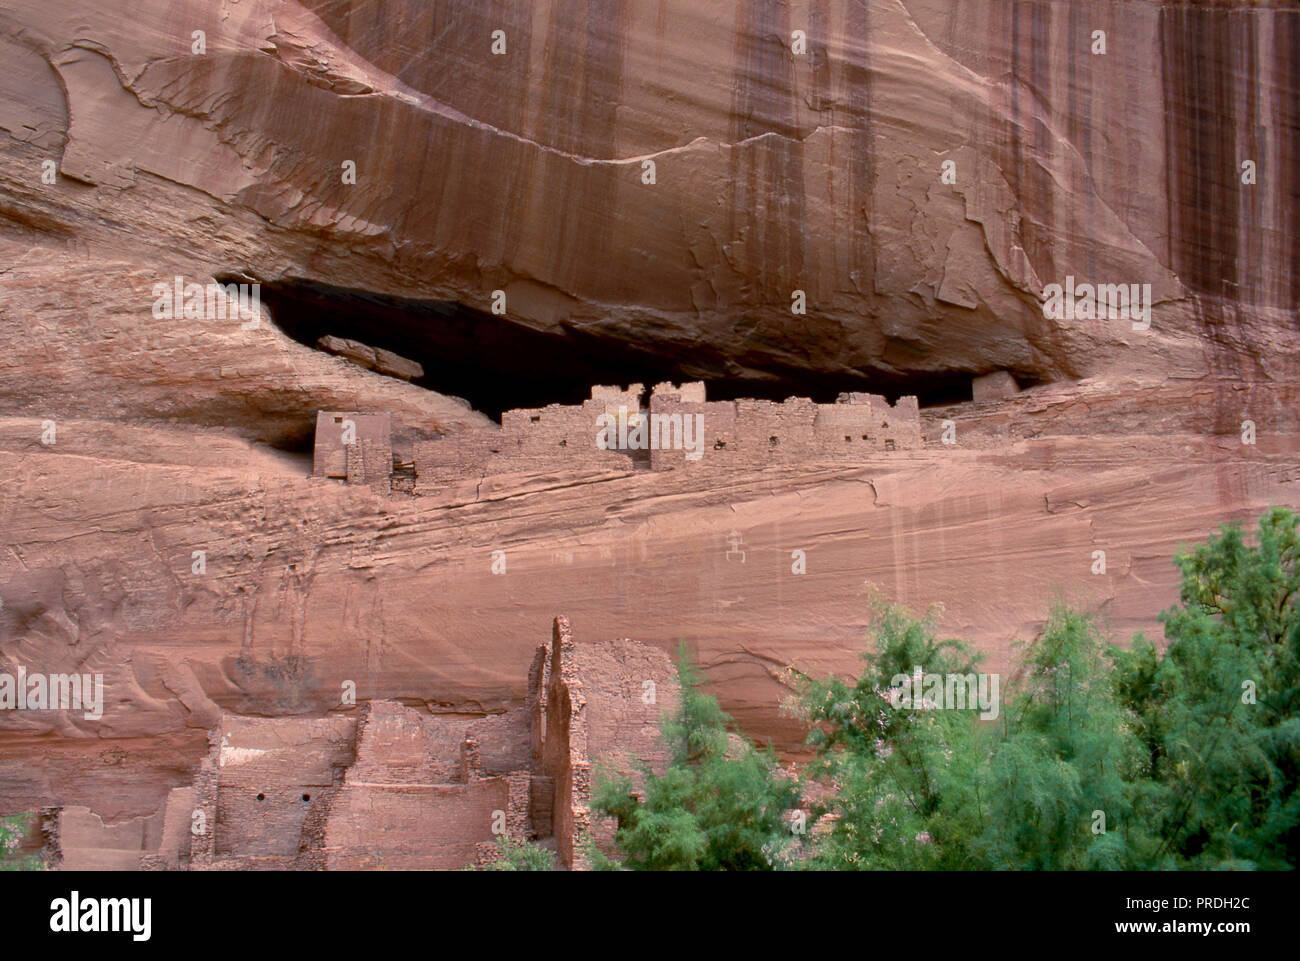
519	856
1219	713
903	794
719	804
12	830
1101	758
1067	764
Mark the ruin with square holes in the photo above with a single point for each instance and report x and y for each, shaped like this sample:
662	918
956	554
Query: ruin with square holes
394	786
678	428
354	446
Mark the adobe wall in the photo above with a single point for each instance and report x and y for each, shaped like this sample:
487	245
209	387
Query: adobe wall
86	843
412	827
740	433
417	796
284	760
596	710
869	419
752	433
561	435
174	847
392	786
367	460
206	780
532	439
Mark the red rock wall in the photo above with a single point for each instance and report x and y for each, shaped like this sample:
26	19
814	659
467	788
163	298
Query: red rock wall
523	173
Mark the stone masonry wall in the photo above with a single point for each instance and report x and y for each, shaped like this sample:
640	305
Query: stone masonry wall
604	702
367	459
739	433
392	786
564	749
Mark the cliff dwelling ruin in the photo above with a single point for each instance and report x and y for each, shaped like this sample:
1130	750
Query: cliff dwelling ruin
387	785
497	374
613	431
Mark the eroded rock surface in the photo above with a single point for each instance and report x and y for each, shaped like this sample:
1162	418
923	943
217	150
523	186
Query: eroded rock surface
128	159
774	171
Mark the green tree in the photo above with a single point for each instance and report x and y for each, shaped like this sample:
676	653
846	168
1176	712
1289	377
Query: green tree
12	830
1066	778
1217	713
515	855
1102	758
903	785
720	803
937	788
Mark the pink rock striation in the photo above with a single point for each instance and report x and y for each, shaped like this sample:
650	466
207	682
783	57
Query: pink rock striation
160	523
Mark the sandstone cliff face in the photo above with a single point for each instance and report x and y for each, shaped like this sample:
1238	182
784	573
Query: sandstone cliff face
774	171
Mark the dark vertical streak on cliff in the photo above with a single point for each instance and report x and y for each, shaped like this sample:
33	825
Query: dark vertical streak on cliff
767	175
1079	111
1041	188
1206	63
857	83
517	22
1198	63
1198	120
820	94
1253	141
1286	54
1024	137
583	84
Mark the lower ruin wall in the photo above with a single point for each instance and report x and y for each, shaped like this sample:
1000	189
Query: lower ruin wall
395	787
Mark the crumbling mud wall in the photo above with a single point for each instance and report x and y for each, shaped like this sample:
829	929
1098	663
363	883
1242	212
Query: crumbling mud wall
544	438
257	786
679	428
751	433
413	801
598	708
398	787
354	446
